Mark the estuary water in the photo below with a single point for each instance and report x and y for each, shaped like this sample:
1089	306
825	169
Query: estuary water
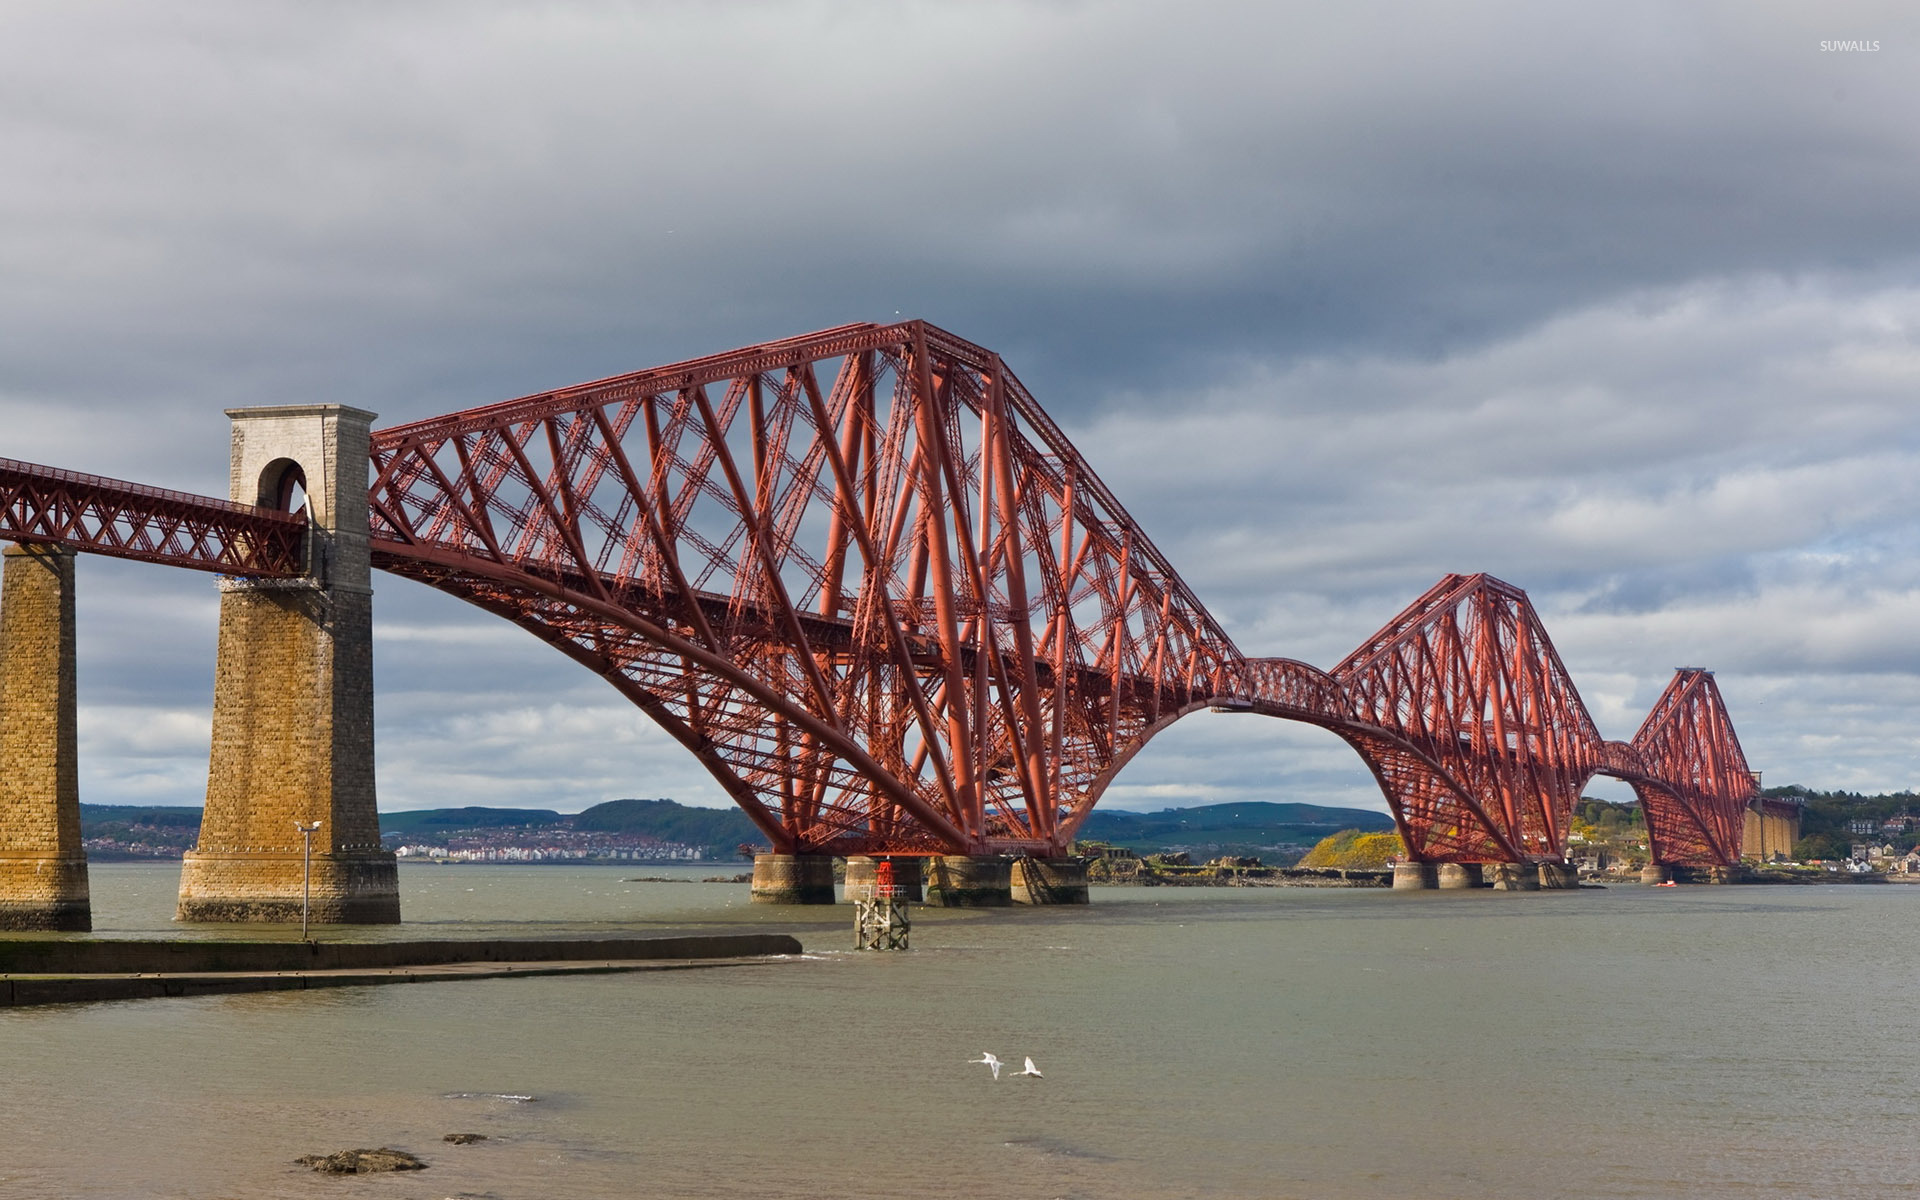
1634	1042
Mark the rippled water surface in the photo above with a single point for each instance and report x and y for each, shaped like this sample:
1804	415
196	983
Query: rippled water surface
1699	1042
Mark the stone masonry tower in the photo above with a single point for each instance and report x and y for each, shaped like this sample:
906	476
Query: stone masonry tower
43	870
293	693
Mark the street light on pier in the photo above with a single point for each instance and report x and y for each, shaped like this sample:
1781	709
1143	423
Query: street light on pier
307	830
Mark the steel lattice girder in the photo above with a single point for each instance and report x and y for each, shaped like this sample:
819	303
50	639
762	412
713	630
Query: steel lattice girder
871	585
51	506
1694	784
874	588
1494	743
1468	678
860	573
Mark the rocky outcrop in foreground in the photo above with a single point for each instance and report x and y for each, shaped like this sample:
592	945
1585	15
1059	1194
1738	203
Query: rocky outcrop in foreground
362	1162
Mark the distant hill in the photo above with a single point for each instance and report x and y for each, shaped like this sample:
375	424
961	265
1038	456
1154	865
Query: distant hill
158	816
1251	827
113	832
671	822
439	820
717	832
1256	827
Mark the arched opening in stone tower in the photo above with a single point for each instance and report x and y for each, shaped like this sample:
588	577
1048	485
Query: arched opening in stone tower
283	486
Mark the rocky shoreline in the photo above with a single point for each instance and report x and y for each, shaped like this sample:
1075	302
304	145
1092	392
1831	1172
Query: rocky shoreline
1228	872
1170	871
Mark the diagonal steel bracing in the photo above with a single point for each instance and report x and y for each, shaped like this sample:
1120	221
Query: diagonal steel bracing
130	520
860	573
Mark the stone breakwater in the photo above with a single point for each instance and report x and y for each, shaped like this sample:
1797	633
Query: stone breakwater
55	972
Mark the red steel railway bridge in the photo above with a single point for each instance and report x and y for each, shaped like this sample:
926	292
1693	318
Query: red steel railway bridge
860	574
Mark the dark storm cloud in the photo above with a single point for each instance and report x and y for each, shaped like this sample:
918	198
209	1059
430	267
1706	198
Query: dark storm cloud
431	204
1615	301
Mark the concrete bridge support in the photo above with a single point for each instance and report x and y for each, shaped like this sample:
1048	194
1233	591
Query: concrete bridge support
1559	876
1415	876
1453	876
793	879
1049	881
1513	877
293	694
907	876
43	869
970	881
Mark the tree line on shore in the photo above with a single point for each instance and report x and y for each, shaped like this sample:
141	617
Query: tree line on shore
1826	816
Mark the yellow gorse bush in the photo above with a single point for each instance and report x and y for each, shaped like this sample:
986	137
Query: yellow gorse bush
1352	850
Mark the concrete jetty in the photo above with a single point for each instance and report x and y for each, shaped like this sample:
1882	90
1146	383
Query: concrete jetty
60	972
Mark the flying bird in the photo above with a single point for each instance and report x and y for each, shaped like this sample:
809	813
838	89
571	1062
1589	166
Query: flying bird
993	1062
1031	1070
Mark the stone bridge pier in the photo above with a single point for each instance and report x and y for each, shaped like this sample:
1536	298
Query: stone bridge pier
43	869
293	693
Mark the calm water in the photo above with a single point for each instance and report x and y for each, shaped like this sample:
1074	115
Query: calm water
1695	1042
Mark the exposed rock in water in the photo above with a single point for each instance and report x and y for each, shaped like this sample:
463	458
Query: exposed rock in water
464	1139
362	1162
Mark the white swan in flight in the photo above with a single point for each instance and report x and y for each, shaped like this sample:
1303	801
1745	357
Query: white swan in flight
1031	1070
991	1061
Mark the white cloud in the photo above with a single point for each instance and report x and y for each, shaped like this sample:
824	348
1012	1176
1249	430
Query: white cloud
446	751
1661	473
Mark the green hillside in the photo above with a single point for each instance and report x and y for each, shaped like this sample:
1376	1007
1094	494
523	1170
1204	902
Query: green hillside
155	816
134	831
671	822
1251	827
716	830
440	820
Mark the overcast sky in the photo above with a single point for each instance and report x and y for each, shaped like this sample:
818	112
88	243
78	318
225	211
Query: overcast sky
1619	302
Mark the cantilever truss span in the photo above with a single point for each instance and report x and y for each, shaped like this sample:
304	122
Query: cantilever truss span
1482	743
860	574
870	584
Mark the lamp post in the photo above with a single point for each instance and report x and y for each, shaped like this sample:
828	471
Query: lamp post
307	830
